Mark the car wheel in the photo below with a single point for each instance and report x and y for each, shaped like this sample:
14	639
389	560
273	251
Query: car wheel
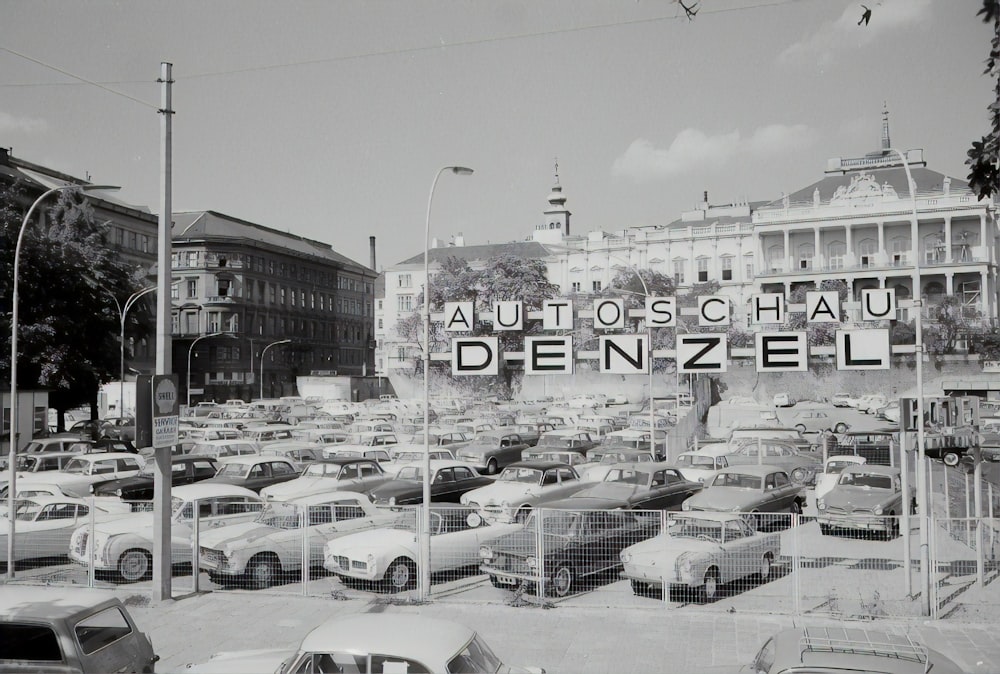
562	581
801	428
710	590
401	575
263	571
765	567
491	467
135	565
798	475
795	508
950	459
840	428
640	589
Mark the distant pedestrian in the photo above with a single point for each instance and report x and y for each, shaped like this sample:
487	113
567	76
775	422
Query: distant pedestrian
866	17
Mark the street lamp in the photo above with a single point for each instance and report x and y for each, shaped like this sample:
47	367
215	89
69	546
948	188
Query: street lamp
425	539
261	373
12	455
190	348
122	313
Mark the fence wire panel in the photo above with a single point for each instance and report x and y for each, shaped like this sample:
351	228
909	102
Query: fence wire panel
965	562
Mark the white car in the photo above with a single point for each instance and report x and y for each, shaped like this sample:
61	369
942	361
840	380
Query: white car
832	469
43	525
522	486
76	477
259	552
389	556
702	465
337	474
125	545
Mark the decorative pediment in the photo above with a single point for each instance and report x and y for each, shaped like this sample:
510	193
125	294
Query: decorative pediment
576	269
656	260
864	187
596	267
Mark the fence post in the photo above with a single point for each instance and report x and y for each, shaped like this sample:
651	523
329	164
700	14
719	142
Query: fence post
904	476
306	556
195	544
968	513
92	547
540	553
664	524
422	563
947	493
796	564
932	565
978	509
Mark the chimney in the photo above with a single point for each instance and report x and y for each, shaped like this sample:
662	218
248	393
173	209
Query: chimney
4	156
371	248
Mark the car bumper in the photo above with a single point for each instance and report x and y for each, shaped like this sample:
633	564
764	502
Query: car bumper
508	577
216	561
858	522
352	568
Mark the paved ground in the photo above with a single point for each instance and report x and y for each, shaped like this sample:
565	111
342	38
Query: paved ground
570	639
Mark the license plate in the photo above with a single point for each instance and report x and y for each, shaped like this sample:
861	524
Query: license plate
506	580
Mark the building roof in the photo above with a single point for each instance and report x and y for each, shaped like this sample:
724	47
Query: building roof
205	225
522	249
52	603
429	641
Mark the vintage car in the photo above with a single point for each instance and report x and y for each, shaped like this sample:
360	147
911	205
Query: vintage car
832	468
389	556
874	445
643	486
260	552
522	486
531	432
366	440
703	464
847	649
371	642
450	479
565	438
44	524
801	468
741	435
28	464
568	456
301	454
183	470
752	490
576	544
866	498
492	450
700	551
436	438
222	448
83	631
125	546
254	472
812	420
76	477
337	474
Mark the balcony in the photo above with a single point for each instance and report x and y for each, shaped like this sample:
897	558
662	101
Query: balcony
220	299
875	263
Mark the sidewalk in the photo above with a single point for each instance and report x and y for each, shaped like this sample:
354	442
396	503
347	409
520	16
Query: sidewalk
570	640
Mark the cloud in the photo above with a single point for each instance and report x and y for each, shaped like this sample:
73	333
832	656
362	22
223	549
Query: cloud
844	33
11	124
693	149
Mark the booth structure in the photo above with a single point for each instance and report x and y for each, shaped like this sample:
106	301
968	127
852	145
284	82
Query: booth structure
32	418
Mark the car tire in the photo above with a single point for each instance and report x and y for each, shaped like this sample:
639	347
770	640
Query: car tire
135	565
951	459
825	529
801	428
491	467
401	575
263	571
795	508
640	589
892	527
710	589
766	563
840	428
562	582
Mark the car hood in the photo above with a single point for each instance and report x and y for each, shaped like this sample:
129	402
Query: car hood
260	661
617	491
663	552
372	541
523	542
397	488
501	491
844	496
241	534
135	523
725	498
126	483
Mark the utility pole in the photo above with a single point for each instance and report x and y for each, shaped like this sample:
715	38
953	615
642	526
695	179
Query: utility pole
161	470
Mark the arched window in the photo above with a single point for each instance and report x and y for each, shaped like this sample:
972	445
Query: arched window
900	248
835	252
867	249
776	257
806	252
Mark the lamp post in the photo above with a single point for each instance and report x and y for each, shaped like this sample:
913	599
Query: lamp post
425	539
263	351
12	455
191	348
122	313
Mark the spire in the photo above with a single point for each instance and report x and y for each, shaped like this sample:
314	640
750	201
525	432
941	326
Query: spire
885	127
557	170
557	198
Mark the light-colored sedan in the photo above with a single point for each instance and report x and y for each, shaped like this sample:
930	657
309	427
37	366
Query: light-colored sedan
832	469
700	551
372	642
522	486
76	477
44	524
753	490
389	556
261	551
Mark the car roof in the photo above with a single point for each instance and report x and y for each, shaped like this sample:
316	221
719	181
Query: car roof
100	456
643	466
872	469
850	649
343	460
199	490
48	500
754	469
254	458
708	515
714	449
537	464
325	497
49	603
427	640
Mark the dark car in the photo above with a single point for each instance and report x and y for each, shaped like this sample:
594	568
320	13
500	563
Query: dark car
874	446
183	470
255	471
576	544
643	486
492	450
449	480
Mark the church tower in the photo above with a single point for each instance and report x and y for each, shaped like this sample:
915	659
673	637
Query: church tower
556	224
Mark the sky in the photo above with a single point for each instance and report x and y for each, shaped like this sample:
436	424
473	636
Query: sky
330	119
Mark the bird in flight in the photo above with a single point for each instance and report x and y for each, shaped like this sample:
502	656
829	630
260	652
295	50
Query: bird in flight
866	17
689	11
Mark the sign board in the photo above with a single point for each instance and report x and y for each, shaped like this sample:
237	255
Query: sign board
166	410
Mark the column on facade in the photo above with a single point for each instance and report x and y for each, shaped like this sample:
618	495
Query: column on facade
949	284
849	247
915	234
984	305
947	239
817	250
789	262
881	281
881	242
982	240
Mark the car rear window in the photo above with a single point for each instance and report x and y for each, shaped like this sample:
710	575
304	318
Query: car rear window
22	642
102	629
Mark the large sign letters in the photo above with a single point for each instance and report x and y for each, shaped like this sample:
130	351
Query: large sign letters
707	352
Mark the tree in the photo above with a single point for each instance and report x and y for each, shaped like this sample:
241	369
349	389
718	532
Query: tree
984	155
817	334
952	320
68	325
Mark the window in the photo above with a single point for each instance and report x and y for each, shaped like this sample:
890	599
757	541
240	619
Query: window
404	303
175	291
678	272
102	629
284	296
748	266
575	286
405	281
26	642
900	250
702	269
596	286
224	285
192	287
806	254
867	249
727	268
835	252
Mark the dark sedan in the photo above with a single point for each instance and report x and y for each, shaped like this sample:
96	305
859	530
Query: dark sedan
255	472
643	486
183	470
449	480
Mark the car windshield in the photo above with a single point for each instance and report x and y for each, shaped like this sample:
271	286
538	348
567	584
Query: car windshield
834	467
613	457
410	473
76	466
557	442
527	475
739	480
27	511
555	522
696	528
627	476
475	657
696	461
280	516
869	480
26	463
32	447
322	470
235	469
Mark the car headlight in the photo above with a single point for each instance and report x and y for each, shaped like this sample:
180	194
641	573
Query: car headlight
877	510
685	506
625	556
118	493
821	504
392	500
532	562
684	563
485	552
